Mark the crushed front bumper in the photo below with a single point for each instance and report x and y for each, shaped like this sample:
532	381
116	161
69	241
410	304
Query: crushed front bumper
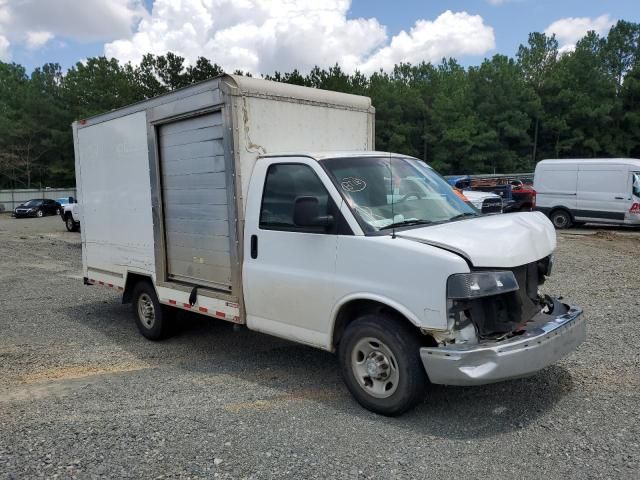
542	344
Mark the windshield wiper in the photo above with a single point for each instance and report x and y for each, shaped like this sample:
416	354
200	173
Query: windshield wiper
406	223
462	215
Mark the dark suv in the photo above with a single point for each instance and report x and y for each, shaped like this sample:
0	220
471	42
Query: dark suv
38	207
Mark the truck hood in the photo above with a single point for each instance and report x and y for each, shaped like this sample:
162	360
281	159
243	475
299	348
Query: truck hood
506	240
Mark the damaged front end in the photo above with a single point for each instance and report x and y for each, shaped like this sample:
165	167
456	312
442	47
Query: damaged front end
496	304
501	327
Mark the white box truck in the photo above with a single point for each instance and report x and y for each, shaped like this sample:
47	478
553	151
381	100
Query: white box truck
187	204
596	190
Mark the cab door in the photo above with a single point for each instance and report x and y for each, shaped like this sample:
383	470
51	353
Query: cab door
289	269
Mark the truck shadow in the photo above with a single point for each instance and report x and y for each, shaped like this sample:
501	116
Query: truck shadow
207	350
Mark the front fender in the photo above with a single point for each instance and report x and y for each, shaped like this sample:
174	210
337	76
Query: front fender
411	316
405	275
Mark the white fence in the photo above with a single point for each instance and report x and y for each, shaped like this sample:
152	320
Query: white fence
10	199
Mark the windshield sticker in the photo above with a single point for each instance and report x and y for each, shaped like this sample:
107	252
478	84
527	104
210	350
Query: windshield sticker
353	184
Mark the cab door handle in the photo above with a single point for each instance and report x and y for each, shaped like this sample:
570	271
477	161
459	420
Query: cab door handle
619	198
254	246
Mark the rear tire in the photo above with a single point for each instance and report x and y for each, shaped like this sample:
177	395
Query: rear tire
381	365
153	319
560	219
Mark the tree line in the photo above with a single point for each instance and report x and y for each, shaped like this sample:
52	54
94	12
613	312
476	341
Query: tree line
500	116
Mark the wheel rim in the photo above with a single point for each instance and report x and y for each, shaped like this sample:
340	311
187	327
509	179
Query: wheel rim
70	223
39	213
375	367
57	211
560	220
146	311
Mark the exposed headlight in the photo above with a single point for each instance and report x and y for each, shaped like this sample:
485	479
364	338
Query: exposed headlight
480	284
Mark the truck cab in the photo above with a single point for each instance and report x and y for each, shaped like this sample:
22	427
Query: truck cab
372	255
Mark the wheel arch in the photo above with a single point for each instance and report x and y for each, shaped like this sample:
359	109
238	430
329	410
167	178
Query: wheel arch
561	208
352	306
132	278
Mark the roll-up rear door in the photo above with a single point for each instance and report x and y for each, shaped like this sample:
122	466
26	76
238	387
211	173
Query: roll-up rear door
194	194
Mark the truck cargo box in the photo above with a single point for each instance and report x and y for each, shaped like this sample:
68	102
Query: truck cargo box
162	183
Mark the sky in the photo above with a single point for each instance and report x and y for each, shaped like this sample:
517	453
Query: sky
263	36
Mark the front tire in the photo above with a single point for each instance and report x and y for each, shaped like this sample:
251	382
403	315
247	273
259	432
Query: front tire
560	219
39	214
70	224
152	318
381	365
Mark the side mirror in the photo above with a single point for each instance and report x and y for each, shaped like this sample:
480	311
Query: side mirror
306	213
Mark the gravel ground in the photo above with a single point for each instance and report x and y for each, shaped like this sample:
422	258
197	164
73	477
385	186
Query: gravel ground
83	395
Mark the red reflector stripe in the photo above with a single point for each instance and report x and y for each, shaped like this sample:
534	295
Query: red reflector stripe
100	283
186	305
111	285
203	310
220	314
172	302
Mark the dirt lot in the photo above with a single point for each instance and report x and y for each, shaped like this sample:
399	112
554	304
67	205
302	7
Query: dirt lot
83	395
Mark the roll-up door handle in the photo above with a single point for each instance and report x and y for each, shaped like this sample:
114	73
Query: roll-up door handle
619	198
254	246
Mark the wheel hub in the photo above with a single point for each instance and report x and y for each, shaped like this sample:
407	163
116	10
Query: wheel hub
377	365
146	311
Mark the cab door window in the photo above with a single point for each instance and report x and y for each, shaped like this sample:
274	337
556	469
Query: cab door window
284	185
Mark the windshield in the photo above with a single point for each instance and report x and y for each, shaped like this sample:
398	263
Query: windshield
636	184
388	192
33	203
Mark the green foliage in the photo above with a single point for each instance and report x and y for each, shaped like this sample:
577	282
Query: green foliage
500	116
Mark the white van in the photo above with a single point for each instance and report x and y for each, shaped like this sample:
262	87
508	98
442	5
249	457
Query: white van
600	190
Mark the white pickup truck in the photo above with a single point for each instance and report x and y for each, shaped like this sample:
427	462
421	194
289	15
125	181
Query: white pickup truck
333	245
70	215
485	202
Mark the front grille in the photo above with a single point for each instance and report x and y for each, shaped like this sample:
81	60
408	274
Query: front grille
492	205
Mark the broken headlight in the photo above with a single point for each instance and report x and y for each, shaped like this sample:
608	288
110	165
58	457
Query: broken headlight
480	284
